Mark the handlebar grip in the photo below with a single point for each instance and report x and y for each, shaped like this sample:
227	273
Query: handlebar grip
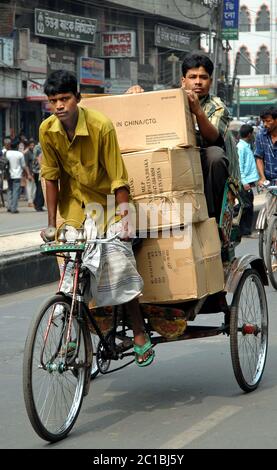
50	233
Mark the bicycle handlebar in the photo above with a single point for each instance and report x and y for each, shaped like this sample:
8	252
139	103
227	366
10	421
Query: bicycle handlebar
74	246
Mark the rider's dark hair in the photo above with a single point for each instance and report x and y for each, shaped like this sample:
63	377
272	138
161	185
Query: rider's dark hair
269	111
196	60
245	130
61	81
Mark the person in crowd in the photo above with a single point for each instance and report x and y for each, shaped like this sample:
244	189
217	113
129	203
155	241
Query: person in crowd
16	167
266	146
219	156
266	155
249	176
251	121
30	183
7	145
81	163
39	198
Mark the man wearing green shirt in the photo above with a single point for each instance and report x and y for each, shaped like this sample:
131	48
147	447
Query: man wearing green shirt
219	156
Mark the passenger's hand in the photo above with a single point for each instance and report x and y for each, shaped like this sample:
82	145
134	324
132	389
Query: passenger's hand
194	102
246	187
135	89
48	234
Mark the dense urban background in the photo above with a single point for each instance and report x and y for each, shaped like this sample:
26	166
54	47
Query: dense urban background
113	44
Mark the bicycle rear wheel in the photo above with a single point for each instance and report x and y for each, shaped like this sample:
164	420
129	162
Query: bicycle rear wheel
54	377
249	330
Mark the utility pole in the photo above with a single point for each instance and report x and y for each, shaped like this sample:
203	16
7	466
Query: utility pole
217	43
238	98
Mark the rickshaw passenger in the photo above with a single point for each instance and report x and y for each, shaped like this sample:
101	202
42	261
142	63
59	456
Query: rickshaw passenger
219	156
82	163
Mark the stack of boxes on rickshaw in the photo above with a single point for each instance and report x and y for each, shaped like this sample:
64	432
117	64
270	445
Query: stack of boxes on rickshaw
156	136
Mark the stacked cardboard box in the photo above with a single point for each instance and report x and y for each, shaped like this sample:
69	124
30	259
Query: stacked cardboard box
148	120
185	268
156	136
166	184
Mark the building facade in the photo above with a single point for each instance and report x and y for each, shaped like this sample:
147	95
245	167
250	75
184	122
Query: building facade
110	45
253	58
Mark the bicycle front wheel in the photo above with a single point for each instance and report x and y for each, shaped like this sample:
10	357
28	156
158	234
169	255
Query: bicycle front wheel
54	376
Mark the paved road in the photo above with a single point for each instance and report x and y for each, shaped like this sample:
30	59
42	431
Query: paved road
188	398
27	220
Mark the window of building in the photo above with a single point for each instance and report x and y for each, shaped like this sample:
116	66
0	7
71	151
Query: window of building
244	62
263	19
244	20
262	61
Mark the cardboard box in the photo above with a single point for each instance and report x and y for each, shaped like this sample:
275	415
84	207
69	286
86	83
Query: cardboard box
211	249
170	210
148	120
164	170
173	273
169	274
162	183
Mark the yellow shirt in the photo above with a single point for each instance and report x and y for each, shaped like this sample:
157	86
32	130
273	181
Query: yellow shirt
89	168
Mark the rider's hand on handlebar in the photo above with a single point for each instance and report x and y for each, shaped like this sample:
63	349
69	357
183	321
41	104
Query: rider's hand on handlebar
48	234
127	232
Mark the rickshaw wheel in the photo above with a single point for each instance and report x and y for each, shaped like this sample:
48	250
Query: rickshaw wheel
249	330
271	251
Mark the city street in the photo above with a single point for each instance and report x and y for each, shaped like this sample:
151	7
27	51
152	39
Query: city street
27	220
188	398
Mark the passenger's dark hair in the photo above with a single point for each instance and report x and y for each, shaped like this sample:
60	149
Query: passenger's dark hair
196	60
61	81
269	111
245	130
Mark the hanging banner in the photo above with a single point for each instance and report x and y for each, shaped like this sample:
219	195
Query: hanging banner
230	19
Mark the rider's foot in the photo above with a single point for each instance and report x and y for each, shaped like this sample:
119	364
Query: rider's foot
71	348
144	353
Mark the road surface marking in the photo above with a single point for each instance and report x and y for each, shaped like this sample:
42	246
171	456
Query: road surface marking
198	429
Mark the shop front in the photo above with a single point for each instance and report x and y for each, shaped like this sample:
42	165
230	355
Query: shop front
253	99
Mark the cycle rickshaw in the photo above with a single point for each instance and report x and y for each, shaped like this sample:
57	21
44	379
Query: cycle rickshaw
56	379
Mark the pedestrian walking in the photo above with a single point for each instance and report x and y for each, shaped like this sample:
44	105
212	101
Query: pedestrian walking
249	176
16	167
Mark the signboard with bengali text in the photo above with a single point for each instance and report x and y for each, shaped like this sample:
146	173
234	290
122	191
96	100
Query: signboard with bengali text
116	44
258	94
53	24
230	19
171	38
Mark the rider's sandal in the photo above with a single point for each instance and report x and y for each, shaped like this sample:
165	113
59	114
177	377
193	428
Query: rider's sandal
141	350
70	349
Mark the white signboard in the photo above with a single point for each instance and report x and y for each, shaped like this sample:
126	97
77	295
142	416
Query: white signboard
117	44
35	90
6	52
37	61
